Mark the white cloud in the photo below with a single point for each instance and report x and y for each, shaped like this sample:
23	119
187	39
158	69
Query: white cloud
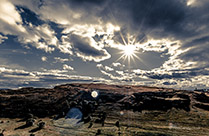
2	38
67	67
86	35
62	60
44	58
99	65
10	20
115	75
120	72
84	38
8	13
14	78
116	64
86	48
42	36
52	72
108	68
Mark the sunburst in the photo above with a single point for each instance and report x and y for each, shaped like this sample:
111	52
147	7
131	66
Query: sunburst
129	50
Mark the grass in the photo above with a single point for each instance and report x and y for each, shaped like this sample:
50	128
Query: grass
147	123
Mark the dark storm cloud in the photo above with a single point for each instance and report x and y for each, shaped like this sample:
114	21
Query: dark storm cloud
86	48
176	74
198	54
14	78
79	2
137	15
151	14
29	17
79	29
165	76
53	80
159	18
196	42
197	51
169	83
168	16
82	45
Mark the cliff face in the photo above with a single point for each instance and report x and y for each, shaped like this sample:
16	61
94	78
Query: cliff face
43	102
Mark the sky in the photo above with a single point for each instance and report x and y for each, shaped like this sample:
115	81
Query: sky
162	43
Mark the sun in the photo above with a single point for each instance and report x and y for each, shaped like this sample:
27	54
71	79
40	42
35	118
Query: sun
129	50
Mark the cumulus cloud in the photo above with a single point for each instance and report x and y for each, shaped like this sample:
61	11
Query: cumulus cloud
177	29
82	38
67	67
116	64
10	20
108	68
40	36
87	49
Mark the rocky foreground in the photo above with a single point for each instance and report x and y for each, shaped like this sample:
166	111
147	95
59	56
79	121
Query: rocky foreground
43	102
145	110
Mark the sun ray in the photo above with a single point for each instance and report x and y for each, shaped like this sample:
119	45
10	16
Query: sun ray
120	58
124	41
141	61
130	53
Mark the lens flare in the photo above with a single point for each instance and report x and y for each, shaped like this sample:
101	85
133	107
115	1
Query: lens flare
94	94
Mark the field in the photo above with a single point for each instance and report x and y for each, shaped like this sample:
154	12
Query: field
145	123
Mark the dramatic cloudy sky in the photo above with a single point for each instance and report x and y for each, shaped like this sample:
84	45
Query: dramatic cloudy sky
147	42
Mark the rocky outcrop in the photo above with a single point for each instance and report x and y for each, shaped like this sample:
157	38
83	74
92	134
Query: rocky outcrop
44	102
156	101
201	100
38	101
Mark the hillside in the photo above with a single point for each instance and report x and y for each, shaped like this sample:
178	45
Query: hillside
141	107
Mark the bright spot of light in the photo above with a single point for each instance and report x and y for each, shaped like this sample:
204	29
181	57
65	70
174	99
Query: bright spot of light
190	2
129	50
121	113
94	94
44	58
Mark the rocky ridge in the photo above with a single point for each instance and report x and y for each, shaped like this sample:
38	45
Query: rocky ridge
43	102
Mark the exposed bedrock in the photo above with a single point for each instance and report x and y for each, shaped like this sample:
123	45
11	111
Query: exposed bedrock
43	102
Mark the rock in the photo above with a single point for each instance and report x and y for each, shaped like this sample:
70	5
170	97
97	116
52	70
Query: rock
98	132
41	125
117	124
2	133
90	125
43	102
30	122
